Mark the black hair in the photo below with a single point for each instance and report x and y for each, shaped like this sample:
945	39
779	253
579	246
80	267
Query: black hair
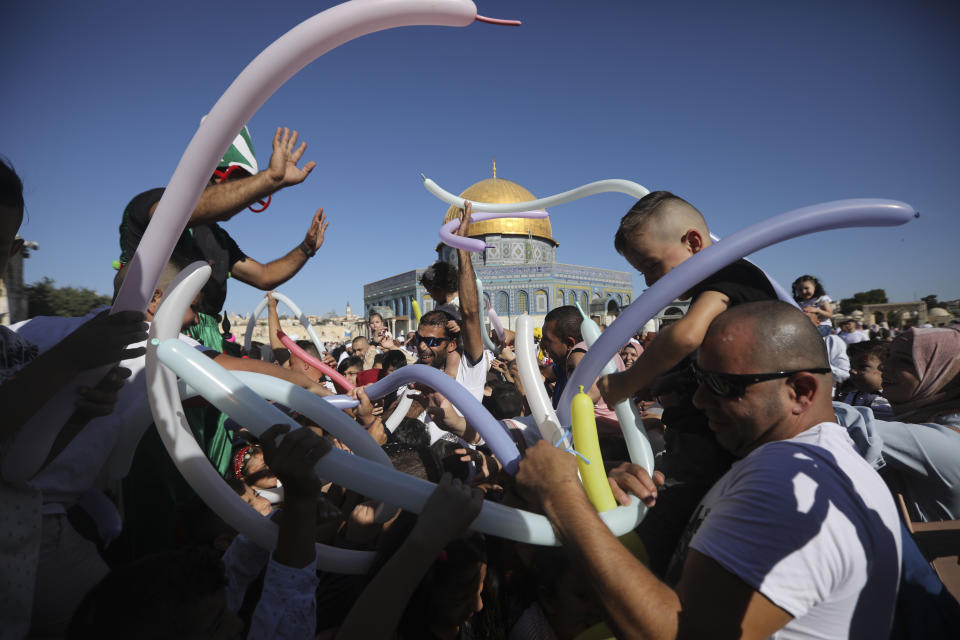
255	352
411	432
146	598
394	359
640	213
566	322
818	289
440	275
505	400
375	313
350	362
437	318
378	359
309	347
418	460
876	348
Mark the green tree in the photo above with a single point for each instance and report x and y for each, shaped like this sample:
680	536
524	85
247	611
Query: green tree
931	301
874	296
46	299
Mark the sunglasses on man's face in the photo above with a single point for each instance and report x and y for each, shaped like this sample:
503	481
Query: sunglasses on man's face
429	340
734	385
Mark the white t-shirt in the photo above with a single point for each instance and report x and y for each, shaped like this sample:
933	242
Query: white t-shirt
78	467
808	523
474	379
818	302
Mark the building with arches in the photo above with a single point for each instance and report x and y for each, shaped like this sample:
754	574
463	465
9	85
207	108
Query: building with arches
519	269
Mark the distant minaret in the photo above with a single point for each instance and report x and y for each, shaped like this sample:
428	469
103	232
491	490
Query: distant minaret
347	313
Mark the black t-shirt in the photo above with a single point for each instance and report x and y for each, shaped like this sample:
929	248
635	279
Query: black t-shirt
741	282
204	242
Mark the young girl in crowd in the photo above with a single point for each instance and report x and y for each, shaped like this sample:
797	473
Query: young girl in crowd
814	301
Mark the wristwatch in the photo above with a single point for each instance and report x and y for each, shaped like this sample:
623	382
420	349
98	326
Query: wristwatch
307	251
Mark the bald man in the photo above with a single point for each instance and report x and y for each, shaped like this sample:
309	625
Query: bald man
799	539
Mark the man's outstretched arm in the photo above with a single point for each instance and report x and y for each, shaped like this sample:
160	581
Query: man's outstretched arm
273	274
709	601
469	305
220	202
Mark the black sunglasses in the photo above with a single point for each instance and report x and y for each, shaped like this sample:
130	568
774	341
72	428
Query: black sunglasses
429	341
734	385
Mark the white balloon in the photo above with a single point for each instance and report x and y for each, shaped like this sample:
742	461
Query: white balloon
248	336
540	405
177	437
601	186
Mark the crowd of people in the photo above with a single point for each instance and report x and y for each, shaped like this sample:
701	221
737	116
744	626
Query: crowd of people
784	448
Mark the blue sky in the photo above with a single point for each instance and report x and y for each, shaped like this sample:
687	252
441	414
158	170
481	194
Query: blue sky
747	110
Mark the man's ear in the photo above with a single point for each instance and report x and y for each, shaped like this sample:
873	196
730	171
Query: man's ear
693	240
804	386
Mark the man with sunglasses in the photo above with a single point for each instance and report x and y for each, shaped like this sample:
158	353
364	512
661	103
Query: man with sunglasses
235	185
464	359
800	538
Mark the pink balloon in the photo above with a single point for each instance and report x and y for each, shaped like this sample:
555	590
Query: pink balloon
342	383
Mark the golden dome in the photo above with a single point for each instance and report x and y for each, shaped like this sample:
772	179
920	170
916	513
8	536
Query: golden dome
497	190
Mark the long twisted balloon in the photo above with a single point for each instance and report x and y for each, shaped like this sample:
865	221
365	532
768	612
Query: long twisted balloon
839	214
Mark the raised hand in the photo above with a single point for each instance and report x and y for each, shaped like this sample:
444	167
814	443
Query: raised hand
293	460
317	230
283	170
103	340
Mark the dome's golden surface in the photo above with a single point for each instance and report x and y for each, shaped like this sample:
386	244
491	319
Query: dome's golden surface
498	190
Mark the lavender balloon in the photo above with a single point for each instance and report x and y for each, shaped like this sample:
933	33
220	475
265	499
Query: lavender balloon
476	414
473	244
839	214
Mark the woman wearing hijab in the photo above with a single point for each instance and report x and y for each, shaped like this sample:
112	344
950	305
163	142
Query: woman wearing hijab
921	376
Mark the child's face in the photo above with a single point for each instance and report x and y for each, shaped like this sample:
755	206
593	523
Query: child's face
806	289
865	373
654	257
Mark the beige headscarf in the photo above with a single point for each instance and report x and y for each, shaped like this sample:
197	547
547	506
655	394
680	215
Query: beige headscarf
936	358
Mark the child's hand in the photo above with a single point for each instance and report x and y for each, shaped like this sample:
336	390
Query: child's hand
614	388
635	479
294	459
448	512
365	412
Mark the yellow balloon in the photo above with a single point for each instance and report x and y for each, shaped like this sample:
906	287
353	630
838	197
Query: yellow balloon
416	311
593	475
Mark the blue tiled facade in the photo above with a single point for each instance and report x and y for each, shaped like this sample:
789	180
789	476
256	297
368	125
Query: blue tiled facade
519	274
